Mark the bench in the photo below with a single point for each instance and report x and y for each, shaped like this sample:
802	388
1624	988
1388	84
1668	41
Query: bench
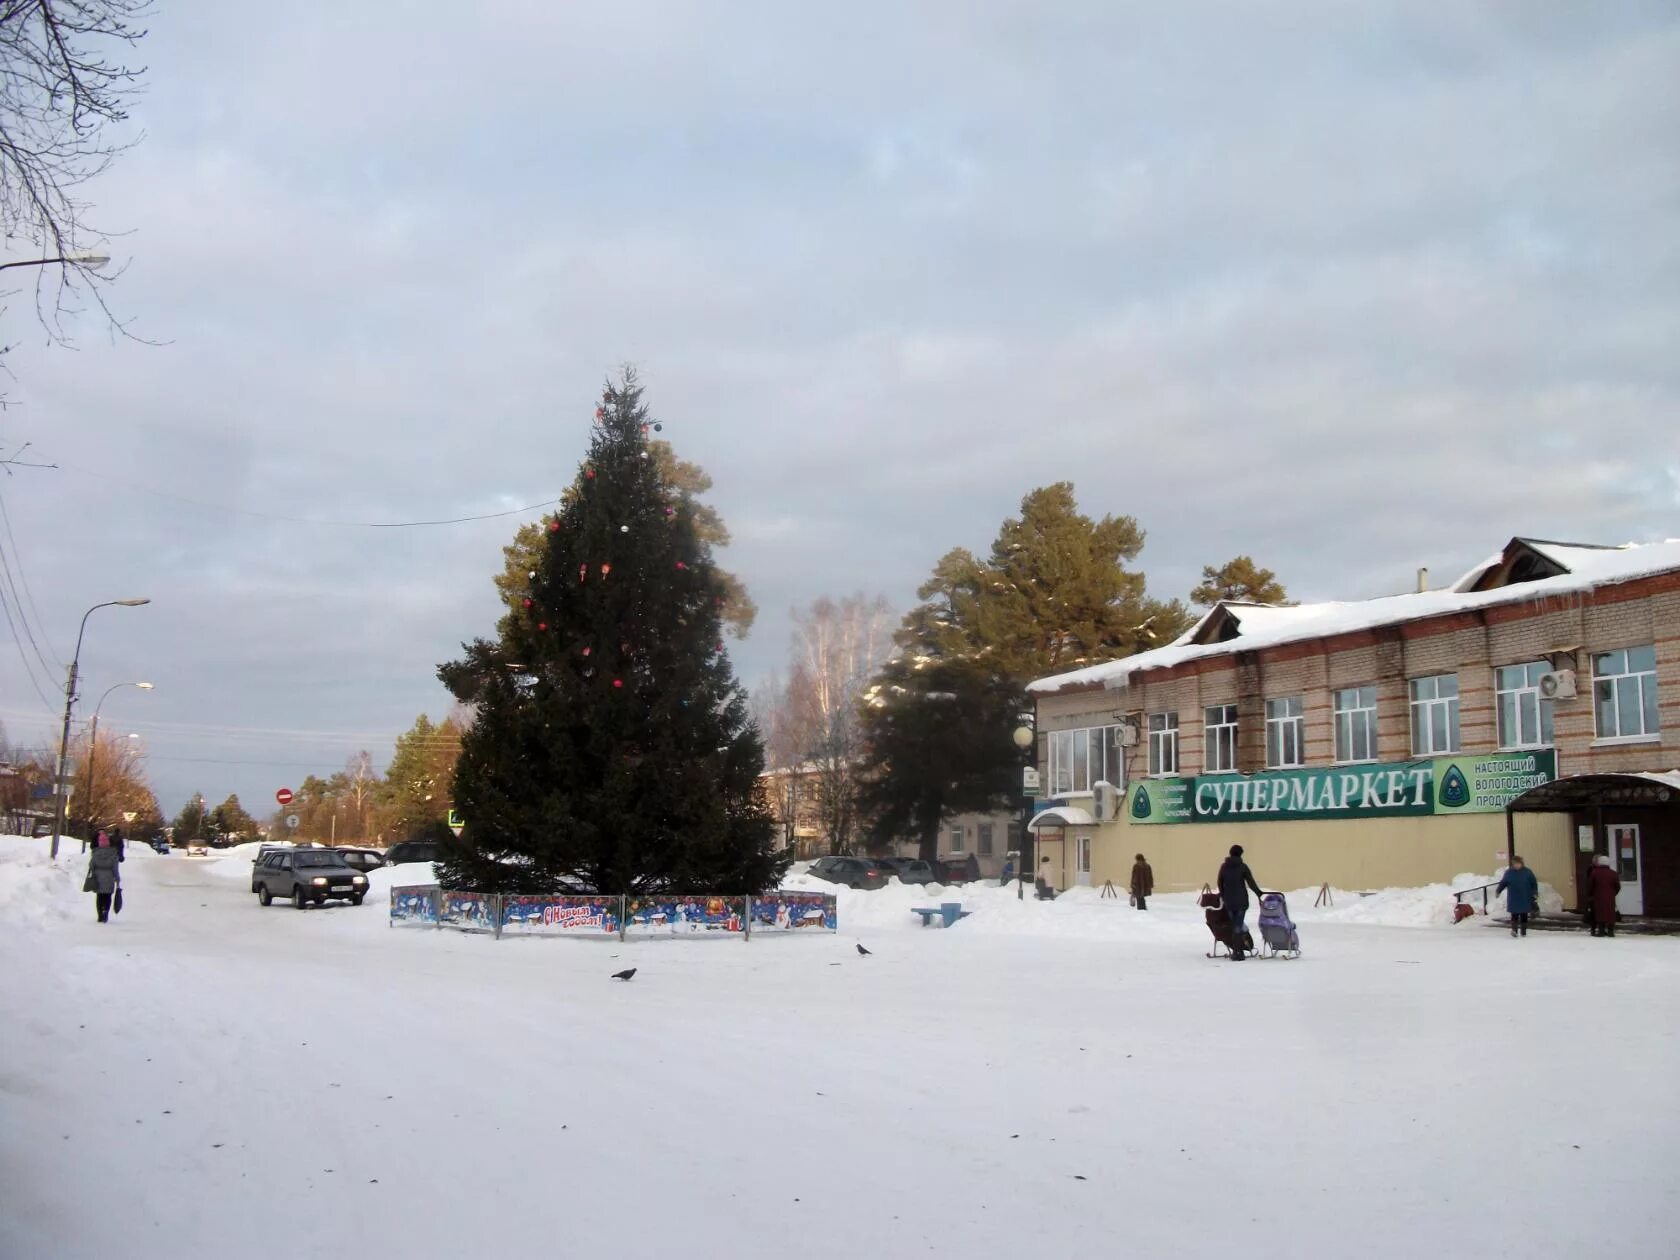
947	913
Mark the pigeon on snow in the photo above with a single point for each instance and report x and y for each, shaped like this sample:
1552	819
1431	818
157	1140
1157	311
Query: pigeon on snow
863	951
625	974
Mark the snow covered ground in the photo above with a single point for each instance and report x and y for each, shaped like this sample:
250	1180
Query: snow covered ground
205	1077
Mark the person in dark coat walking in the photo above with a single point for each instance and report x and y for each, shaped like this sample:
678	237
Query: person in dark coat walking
102	877
1522	894
1143	882
1602	886
1235	879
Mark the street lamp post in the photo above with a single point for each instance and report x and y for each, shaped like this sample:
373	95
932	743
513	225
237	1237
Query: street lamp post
93	744
1026	739
69	703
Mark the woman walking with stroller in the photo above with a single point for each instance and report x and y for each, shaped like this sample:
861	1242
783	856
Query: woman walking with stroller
1235	879
1522	891
103	880
1143	882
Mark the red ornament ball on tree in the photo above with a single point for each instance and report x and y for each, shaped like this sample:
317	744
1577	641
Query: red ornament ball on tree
618	682
554	527
542	625
526	601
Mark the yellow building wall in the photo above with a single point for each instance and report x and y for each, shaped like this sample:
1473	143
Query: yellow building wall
1358	855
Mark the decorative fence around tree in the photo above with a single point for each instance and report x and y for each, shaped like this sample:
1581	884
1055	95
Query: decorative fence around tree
589	915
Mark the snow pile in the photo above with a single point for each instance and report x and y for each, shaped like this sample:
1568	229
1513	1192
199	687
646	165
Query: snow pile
36	891
1429	906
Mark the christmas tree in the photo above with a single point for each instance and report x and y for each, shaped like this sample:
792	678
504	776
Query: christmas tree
611	749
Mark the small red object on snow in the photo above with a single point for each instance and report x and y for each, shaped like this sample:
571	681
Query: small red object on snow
1462	911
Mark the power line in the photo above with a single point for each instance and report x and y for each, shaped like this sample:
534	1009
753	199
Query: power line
17	559
47	667
126	484
17	642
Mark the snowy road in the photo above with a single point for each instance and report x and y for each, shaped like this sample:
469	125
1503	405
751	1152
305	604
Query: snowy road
205	1077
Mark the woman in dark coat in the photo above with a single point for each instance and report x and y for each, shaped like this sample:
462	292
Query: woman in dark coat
1143	882
1235	879
1522	894
102	878
1602	886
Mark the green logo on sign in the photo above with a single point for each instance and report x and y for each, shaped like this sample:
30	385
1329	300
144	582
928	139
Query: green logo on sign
1140	802
1454	792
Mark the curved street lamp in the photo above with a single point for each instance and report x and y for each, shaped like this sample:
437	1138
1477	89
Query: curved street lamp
93	745
92	262
69	703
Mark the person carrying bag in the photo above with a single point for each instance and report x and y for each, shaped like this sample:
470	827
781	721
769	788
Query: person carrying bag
102	879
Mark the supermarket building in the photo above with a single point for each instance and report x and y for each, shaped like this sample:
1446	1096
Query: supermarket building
1388	742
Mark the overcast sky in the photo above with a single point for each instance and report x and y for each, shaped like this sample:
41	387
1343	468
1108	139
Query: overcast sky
1353	289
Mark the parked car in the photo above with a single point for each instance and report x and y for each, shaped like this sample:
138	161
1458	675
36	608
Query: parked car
961	868
363	860
852	872
307	877
915	871
411	851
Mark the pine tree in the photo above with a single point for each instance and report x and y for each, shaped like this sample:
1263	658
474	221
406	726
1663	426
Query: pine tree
1238	579
1053	595
611	747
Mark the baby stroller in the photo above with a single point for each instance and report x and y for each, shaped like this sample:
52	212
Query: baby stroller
1277	929
1219	923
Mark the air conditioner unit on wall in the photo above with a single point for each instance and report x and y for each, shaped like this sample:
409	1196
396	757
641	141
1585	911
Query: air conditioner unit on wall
1106	800
1128	735
1558	685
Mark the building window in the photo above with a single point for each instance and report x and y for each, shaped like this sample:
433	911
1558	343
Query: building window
983	839
957	839
1356	723
1435	715
1163	743
1220	744
1079	759
1525	716
1625	693
1285	732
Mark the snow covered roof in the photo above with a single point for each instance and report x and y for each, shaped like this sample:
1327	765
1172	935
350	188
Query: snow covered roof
1256	626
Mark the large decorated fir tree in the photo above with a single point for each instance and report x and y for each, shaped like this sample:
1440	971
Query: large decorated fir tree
611	749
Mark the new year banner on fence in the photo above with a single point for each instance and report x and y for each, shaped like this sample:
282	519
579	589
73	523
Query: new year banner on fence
414	905
560	915
683	916
466	911
795	912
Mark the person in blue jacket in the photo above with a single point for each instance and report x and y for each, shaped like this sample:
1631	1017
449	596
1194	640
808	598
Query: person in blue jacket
1522	893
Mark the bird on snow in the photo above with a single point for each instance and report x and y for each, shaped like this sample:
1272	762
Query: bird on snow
625	974
863	951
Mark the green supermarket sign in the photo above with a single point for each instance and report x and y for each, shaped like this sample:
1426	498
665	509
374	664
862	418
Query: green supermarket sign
1448	785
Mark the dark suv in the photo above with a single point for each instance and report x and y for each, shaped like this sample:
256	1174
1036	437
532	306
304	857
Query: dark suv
411	851
306	876
363	860
850	871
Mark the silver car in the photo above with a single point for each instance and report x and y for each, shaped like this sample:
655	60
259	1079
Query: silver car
306	877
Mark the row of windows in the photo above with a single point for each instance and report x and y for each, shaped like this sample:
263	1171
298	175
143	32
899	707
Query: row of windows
1624	707
1080	759
983	837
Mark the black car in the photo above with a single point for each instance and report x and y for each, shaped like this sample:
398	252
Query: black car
853	872
363	860
411	851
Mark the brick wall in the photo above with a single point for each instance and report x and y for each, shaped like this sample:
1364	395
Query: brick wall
1565	632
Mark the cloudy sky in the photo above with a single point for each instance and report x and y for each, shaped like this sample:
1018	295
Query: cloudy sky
1350	288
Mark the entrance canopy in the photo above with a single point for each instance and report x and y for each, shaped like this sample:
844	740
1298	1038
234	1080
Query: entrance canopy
1582	791
1062	816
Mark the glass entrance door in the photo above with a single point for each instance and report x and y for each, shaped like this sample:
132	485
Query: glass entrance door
1625	858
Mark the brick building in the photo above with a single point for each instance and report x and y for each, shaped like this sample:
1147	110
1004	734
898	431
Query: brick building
1379	743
